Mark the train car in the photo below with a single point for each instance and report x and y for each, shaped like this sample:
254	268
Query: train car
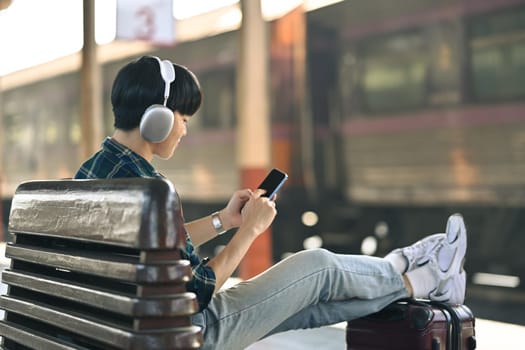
419	112
388	116
429	103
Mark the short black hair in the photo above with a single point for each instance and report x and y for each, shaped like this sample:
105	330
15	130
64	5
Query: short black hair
139	85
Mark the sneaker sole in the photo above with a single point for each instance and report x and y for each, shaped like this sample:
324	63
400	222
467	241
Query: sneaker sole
455	246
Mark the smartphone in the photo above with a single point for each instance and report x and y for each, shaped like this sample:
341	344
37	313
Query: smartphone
273	182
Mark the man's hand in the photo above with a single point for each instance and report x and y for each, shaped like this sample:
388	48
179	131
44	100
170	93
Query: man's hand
231	214
258	213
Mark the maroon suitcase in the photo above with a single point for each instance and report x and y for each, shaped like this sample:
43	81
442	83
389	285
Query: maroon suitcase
414	325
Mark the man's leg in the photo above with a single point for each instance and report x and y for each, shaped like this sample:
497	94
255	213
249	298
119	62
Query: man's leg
316	288
251	310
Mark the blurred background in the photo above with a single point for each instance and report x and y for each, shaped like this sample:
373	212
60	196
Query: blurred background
388	116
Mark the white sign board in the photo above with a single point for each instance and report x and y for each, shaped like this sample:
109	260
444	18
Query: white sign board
148	20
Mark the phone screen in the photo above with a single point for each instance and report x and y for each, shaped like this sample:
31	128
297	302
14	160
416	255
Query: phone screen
273	182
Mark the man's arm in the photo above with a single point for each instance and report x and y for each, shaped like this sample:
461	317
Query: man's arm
202	230
257	216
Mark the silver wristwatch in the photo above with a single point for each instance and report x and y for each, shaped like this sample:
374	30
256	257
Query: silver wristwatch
217	223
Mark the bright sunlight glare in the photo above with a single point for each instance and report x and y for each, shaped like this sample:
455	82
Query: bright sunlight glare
33	32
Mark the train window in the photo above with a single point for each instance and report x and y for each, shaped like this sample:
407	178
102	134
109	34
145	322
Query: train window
219	107
445	57
51	132
20	134
75	133
497	56
392	72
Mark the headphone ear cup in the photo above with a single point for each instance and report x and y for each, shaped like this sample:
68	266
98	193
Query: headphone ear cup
156	123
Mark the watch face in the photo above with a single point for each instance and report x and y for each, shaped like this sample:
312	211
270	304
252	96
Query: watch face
217	223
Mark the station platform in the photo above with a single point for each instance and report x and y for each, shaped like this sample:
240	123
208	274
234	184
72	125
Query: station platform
490	334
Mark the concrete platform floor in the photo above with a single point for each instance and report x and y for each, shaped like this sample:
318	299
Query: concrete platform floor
490	335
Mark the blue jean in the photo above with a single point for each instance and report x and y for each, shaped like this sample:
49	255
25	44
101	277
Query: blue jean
312	288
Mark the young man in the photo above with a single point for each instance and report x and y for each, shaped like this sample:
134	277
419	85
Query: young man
309	289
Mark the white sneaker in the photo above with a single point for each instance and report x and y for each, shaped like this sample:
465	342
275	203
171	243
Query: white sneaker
428	283
451	254
408	258
441	276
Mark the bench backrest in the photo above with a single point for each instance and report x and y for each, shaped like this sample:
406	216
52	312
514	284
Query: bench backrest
95	264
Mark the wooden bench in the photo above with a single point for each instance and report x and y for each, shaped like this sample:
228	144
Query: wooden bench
95	264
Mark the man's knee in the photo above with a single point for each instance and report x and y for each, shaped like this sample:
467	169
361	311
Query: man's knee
319	256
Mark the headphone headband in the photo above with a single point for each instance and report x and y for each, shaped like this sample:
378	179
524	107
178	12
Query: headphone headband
168	75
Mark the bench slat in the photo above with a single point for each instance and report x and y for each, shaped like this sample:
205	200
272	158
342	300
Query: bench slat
28	338
138	213
119	268
161	339
181	304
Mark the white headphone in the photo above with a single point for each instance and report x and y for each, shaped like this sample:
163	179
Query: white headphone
157	121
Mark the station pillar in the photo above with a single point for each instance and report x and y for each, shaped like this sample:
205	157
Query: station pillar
1	209
91	96
253	132
2	142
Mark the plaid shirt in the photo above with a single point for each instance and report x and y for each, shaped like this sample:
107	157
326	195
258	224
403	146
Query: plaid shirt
115	160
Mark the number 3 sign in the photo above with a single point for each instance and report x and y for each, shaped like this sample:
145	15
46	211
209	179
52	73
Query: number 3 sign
146	20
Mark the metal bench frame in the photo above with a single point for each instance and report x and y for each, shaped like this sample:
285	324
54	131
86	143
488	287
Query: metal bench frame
96	264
